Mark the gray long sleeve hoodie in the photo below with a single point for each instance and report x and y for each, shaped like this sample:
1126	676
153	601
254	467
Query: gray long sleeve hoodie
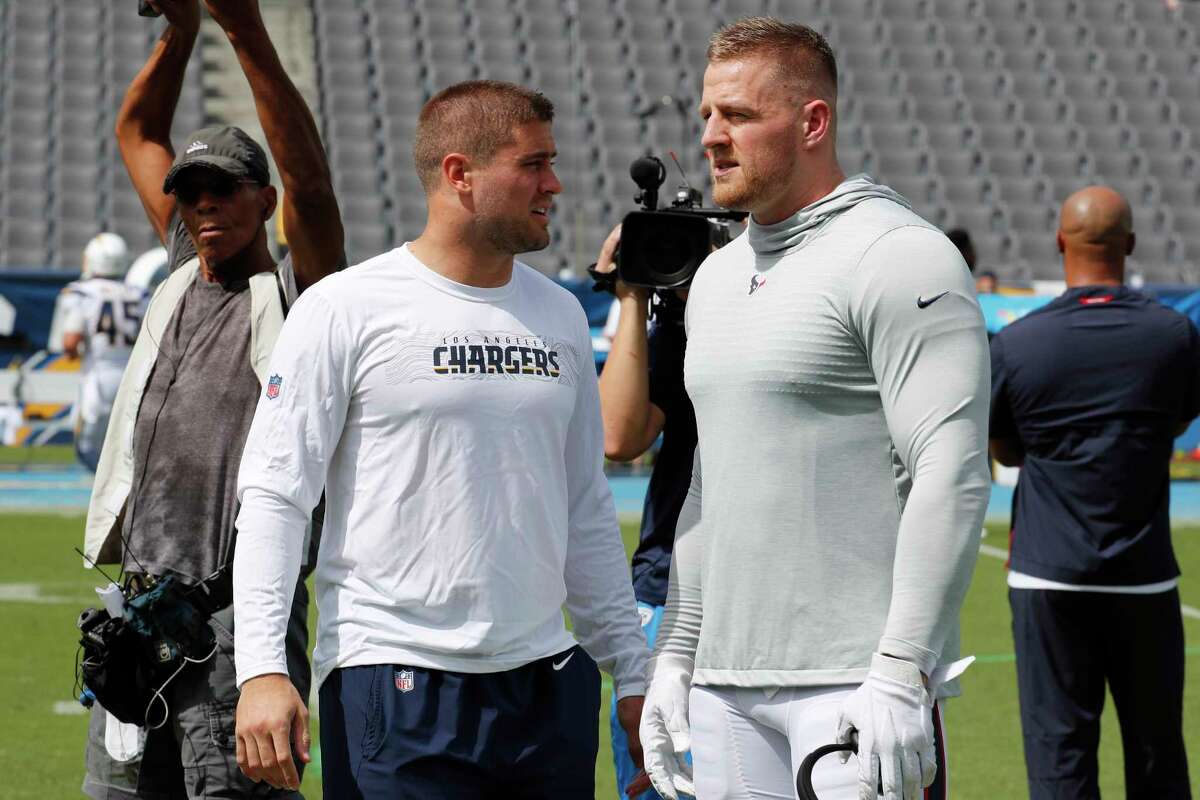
838	365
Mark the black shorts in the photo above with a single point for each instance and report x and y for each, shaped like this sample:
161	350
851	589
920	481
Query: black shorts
396	731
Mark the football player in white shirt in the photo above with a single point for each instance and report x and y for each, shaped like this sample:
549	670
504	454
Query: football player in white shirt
445	398
102	316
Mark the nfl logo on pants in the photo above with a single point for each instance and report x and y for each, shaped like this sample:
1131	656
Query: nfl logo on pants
404	680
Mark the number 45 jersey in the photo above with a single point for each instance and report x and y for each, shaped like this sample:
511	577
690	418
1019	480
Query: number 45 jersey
108	313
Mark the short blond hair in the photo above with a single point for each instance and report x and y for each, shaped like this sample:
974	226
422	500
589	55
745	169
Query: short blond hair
475	118
803	57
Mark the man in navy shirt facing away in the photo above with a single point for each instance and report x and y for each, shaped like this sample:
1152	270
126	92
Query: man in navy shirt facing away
1088	394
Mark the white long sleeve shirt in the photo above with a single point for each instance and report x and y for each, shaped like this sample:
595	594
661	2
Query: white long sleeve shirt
457	433
841	393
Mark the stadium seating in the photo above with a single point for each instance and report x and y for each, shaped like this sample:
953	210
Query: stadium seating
64	66
986	113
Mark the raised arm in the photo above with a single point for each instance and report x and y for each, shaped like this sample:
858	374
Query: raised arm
311	219
631	421
143	126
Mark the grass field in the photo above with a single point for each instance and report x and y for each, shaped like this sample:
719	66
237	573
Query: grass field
42	589
45	455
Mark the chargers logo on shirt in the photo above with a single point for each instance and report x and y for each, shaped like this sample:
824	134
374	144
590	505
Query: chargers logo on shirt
496	359
483	355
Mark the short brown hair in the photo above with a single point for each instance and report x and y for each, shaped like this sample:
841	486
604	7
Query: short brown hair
475	118
803	55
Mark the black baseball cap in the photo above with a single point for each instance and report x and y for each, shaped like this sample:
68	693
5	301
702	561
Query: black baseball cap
223	148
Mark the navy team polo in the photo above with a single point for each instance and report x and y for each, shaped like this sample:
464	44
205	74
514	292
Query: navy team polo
1094	385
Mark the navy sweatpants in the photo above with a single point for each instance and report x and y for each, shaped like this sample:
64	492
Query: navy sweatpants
394	731
1069	645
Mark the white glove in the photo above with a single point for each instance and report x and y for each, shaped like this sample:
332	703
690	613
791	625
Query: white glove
892	714
664	731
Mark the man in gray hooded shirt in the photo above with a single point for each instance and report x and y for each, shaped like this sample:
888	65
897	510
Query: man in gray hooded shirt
838	365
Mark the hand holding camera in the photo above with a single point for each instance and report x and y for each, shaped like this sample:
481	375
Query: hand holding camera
606	264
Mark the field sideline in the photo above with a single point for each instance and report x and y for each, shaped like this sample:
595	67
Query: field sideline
43	587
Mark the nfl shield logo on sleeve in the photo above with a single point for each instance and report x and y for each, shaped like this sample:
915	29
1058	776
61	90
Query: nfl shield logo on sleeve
273	386
404	680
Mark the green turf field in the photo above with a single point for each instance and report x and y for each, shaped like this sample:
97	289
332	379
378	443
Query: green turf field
45	455
42	589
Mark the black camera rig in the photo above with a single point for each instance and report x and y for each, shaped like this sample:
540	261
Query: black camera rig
663	248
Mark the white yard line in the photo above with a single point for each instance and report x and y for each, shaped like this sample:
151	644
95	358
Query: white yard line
69	708
30	593
996	552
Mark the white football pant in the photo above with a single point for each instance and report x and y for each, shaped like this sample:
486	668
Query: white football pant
97	392
748	744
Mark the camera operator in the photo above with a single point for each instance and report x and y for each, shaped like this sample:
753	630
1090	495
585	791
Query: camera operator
641	396
164	502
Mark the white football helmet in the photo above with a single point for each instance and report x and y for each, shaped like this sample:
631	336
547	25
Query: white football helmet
106	256
149	269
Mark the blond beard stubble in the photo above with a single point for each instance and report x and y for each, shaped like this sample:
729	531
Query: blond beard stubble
739	195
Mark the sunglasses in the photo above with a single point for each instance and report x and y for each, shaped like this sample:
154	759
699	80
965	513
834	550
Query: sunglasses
222	187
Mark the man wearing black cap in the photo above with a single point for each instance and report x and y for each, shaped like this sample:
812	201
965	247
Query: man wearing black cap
164	500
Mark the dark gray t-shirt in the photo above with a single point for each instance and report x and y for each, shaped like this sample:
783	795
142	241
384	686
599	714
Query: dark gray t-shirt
191	426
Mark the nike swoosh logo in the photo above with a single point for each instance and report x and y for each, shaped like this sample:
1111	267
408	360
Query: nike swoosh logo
562	663
923	303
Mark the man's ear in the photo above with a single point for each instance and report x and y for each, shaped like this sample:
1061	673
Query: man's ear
818	123
456	171
270	199
1058	239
